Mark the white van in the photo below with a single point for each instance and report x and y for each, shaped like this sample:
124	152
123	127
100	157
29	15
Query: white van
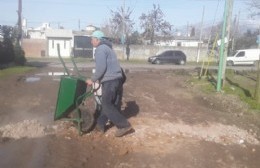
244	57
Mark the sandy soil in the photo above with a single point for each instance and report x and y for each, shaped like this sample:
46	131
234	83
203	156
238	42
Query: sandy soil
176	125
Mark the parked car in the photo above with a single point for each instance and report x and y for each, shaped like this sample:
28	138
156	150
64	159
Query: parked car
169	56
244	57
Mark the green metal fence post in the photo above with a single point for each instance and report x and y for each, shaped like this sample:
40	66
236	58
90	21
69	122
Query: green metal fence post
219	80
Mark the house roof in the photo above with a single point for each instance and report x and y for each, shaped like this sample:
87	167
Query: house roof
82	33
60	33
186	38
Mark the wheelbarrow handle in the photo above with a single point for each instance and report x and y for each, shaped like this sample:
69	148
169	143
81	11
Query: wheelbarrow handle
61	60
96	86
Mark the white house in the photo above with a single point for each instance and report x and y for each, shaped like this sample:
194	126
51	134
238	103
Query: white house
37	33
63	37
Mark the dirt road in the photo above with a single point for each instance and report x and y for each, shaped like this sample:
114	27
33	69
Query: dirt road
176	125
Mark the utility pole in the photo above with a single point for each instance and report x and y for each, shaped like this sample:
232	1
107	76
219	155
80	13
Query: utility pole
123	31
198	57
236	25
188	29
79	24
219	79
226	51
19	24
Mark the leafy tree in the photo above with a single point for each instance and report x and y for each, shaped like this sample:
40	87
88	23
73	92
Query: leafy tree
247	40
134	38
154	25
8	52
19	54
6	47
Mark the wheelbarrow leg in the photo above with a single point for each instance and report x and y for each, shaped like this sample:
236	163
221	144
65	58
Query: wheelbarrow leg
79	121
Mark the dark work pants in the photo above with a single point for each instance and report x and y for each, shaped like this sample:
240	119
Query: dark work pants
110	111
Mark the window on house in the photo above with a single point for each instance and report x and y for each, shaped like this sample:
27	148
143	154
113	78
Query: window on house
179	44
52	43
64	44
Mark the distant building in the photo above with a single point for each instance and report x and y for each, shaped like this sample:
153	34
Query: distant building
37	33
91	28
42	42
63	37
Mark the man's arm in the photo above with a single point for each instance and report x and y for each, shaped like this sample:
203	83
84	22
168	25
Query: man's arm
101	64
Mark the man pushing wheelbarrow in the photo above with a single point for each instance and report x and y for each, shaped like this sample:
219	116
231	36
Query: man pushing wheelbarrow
73	92
109	74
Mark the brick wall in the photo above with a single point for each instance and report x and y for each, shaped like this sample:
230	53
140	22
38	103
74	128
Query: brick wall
142	52
35	47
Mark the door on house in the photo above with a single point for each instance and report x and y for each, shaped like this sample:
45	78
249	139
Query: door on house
83	47
65	47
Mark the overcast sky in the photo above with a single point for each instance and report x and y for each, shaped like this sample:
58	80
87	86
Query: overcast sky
67	13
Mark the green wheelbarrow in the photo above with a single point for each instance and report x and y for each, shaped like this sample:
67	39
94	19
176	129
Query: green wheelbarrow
72	94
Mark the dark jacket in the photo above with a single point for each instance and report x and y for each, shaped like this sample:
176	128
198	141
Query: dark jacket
107	66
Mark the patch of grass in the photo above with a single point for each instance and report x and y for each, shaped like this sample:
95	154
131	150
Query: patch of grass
242	85
239	83
204	84
212	63
14	70
243	94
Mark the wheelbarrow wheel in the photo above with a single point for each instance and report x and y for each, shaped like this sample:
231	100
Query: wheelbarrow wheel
88	119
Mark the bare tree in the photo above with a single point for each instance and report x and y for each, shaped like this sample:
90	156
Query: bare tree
254	7
107	29
154	24
120	23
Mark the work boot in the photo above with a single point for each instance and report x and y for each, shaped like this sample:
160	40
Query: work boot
123	131
100	129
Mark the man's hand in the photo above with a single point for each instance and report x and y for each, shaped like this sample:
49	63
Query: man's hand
89	82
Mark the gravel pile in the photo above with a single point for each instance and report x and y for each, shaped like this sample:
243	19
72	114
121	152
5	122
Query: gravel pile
214	132
26	129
